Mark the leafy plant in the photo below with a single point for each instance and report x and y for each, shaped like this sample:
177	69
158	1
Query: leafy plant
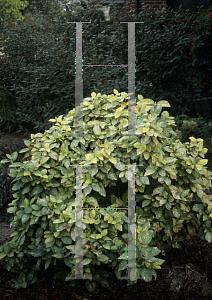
7	105
196	127
10	11
5	180
170	201
41	69
199	22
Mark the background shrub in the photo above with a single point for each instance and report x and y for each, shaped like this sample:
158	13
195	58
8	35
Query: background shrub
195	127
40	69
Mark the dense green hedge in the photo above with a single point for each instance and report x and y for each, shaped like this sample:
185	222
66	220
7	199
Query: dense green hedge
40	69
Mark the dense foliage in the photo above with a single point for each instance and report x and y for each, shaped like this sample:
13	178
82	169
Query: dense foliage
38	67
10	11
6	191
171	204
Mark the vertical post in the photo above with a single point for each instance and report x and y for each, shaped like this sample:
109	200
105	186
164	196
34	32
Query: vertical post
78	132
131	79
79	232
131	170
78	82
131	225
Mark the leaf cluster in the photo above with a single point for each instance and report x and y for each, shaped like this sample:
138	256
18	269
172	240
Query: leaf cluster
170	178
39	63
193	126
5	180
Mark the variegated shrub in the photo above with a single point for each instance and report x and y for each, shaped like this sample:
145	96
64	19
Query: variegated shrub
170	180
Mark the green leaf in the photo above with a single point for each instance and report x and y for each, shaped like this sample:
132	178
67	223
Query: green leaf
150	252
37	213
73	235
90	285
16	164
86	261
176	212
4	161
145	273
66	240
53	155
44	224
24	150
11	210
149	171
208	237
158	190
39	232
104	232
58	255
27	172
170	160
68	261
14	156
168	181
35	207
2	255
145	237
103	258
106	246
7	249
22	240
122	265
37	190
44	211
112	176
28	210
50	242
44	160
118	226
104	283
191	228
175	192
49	239
114	248
47	263
20	213
144	180
42	202
124	256
37	252
25	218
198	207
146	202
163	103
18	185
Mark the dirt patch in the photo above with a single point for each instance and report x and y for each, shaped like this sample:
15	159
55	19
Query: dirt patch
13	138
5	232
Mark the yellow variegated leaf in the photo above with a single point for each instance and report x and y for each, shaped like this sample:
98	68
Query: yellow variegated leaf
113	160
93	214
146	155
137	145
116	92
147	102
148	148
146	129
163	103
